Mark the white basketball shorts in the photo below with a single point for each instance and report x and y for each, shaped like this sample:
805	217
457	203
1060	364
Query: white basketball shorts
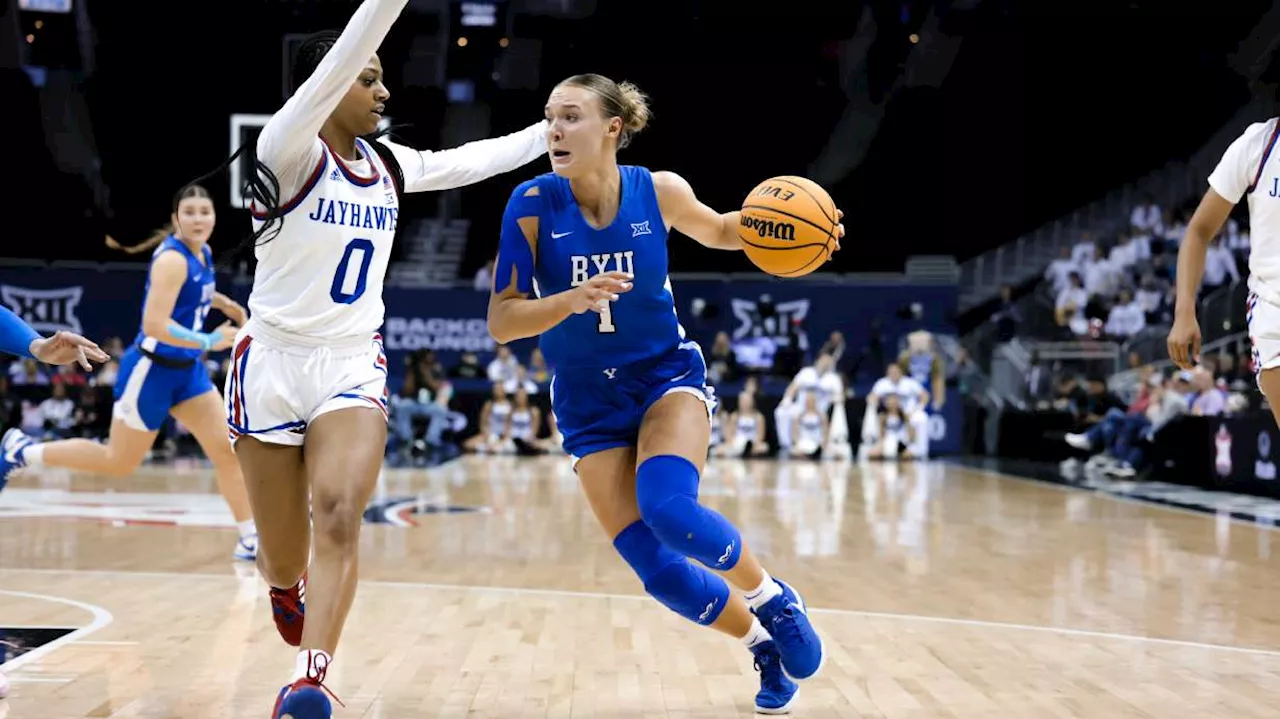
277	386
1263	322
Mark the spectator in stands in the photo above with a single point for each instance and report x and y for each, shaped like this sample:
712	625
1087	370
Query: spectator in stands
1146	216
92	421
417	401
430	372
57	414
1039	381
722	364
1059	271
1153	299
503	366
1069	309
1086	250
1007	317
70	376
1208	400
1121	437
1091	404
1126	318
964	373
468	367
1219	266
27	374
1163	268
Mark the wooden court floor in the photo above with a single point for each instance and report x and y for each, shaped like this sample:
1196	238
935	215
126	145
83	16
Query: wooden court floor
488	591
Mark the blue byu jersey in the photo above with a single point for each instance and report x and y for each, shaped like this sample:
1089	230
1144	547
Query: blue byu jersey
642	323
194	299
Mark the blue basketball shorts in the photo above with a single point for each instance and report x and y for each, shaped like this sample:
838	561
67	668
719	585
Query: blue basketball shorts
600	409
145	391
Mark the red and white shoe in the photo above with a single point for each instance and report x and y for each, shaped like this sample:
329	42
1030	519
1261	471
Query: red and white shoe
305	698
289	609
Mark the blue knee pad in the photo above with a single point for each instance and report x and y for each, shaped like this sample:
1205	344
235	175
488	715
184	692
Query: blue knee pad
686	589
667	492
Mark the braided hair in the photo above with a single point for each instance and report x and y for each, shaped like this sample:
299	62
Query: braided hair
261	184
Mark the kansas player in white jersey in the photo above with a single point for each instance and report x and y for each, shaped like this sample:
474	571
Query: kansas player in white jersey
306	397
1250	168
163	371
582	261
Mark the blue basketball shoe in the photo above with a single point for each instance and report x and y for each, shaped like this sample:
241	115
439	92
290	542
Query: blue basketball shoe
776	690
11	447
799	646
305	698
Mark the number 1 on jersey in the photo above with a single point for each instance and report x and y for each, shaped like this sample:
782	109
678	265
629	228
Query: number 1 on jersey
606	318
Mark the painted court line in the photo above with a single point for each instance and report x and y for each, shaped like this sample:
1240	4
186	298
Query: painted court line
101	618
978	623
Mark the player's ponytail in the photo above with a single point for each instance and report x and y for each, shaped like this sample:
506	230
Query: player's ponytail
155	238
160	233
623	100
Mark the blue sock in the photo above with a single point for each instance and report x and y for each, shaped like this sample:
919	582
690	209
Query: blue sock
681	586
667	492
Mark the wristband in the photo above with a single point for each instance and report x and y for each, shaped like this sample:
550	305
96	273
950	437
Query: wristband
206	339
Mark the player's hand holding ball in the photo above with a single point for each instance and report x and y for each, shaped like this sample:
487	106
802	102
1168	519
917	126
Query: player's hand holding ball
790	226
595	292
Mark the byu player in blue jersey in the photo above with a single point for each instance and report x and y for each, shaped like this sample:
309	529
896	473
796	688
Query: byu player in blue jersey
163	372
629	391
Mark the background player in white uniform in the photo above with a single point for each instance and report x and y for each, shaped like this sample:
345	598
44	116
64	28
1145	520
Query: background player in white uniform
1249	168
306	396
912	397
820	379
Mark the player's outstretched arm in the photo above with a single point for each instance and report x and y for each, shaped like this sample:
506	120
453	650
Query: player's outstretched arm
682	210
513	313
20	339
289	143
427	171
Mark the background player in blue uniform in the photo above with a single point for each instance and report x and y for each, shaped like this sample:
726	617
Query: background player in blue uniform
629	392
162	373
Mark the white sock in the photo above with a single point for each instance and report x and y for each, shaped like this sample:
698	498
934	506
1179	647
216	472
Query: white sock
311	663
247	528
761	595
33	455
755	634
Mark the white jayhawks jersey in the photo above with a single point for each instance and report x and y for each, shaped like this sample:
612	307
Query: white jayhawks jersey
322	275
1250	169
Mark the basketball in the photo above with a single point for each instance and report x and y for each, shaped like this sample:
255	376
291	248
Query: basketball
788	226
